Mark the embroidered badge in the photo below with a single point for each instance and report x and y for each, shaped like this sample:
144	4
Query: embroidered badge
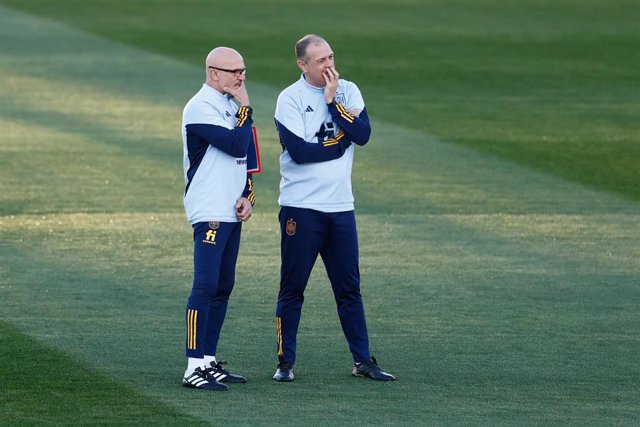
291	227
214	225
210	237
340	99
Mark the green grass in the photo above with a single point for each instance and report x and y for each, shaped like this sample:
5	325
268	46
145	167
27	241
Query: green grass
497	292
548	84
41	385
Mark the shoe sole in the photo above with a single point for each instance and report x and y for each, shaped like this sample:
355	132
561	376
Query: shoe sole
233	381
189	385
283	379
357	374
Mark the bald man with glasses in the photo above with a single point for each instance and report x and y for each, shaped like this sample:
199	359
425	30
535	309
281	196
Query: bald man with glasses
218	197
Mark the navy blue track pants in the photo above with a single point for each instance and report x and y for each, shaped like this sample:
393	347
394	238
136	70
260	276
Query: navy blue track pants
215	253
305	234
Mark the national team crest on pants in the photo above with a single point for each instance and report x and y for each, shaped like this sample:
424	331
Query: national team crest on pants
291	227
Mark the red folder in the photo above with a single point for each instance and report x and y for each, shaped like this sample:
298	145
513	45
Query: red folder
253	155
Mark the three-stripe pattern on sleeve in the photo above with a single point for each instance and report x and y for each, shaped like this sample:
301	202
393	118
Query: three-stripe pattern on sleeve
242	115
344	113
333	141
252	195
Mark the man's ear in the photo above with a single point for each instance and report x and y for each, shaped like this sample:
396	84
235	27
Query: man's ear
212	74
302	65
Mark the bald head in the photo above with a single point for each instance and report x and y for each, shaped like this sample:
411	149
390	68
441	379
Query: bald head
223	57
219	65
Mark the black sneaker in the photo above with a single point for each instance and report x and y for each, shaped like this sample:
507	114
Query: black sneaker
284	372
371	370
200	378
221	375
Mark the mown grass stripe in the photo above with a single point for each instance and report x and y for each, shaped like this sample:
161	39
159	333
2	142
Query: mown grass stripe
499	295
548	84
42	385
494	292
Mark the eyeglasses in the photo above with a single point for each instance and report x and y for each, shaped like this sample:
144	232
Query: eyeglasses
236	73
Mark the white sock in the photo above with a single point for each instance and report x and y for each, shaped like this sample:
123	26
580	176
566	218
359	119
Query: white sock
192	364
209	359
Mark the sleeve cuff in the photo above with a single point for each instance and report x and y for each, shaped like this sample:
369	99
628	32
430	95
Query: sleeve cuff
243	114
244	110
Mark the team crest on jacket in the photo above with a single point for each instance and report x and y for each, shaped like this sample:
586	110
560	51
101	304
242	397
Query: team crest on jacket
340	99
214	225
291	227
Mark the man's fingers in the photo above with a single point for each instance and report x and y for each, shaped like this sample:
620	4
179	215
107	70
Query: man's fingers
243	209
244	213
331	75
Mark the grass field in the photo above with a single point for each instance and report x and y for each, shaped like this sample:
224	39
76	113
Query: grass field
498	211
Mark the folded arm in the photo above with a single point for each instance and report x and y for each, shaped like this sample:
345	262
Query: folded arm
302	151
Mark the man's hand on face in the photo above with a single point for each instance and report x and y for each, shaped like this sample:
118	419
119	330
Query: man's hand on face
331	78
239	93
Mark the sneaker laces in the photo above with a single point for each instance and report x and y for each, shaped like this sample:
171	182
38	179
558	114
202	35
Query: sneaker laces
204	373
218	367
369	365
